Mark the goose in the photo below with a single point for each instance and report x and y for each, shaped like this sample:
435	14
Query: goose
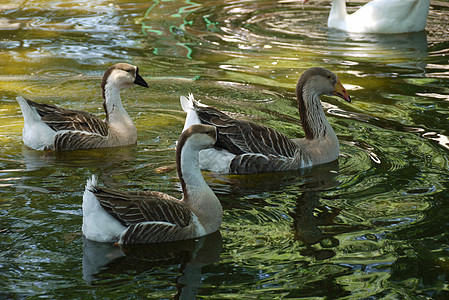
152	217
48	127
380	16
244	147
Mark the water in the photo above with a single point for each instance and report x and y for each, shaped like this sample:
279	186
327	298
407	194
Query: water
372	225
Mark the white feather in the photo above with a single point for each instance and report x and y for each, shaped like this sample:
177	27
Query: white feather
200	228
98	225
216	160
210	159
36	134
188	107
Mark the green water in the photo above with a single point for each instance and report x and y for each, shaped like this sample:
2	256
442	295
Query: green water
372	225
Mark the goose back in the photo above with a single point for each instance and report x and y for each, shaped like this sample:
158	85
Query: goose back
144	212
238	136
67	119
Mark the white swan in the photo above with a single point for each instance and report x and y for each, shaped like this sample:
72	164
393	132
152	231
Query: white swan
380	16
246	148
153	217
48	127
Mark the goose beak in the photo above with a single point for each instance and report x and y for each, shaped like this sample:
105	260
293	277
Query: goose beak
140	81
340	91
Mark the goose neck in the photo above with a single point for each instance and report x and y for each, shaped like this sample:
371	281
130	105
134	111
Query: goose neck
189	171
313	119
196	193
337	12
112	103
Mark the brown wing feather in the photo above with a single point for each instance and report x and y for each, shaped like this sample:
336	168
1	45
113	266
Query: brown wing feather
239	137
66	119
259	163
160	232
136	207
74	140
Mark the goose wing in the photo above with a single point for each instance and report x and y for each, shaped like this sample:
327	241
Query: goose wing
240	137
152	232
132	208
74	140
66	119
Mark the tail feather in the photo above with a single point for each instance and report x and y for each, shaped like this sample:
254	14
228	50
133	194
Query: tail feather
188	105
98	225
21	100
91	183
29	113
36	133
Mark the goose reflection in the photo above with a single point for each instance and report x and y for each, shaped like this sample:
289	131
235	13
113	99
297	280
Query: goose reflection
191	255
313	222
311	217
407	50
316	223
107	158
111	161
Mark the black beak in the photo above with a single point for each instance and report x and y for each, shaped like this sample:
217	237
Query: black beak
140	81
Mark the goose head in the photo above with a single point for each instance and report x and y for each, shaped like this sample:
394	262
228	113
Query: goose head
198	136
320	81
122	76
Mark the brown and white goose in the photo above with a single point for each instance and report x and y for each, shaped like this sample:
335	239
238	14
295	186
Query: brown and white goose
244	147
48	127
153	217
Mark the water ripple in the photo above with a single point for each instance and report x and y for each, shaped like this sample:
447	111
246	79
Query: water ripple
288	25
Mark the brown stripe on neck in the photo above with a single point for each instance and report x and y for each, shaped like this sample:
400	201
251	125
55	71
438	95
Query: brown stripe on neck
302	107
181	142
104	81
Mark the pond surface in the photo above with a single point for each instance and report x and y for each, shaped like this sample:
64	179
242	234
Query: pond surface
374	224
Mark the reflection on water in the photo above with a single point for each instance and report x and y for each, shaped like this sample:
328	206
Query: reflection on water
372	225
385	46
308	216
406	51
101	261
311	217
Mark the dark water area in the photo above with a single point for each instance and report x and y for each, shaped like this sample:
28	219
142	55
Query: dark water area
373	224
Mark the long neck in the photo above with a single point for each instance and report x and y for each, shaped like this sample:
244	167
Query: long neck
189	172
112	103
337	13
313	119
196	193
321	143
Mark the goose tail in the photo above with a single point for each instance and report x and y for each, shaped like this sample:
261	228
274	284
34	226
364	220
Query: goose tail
36	133
29	114
98	225
91	183
189	105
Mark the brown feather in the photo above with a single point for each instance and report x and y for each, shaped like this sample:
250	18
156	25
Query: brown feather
131	208
67	119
